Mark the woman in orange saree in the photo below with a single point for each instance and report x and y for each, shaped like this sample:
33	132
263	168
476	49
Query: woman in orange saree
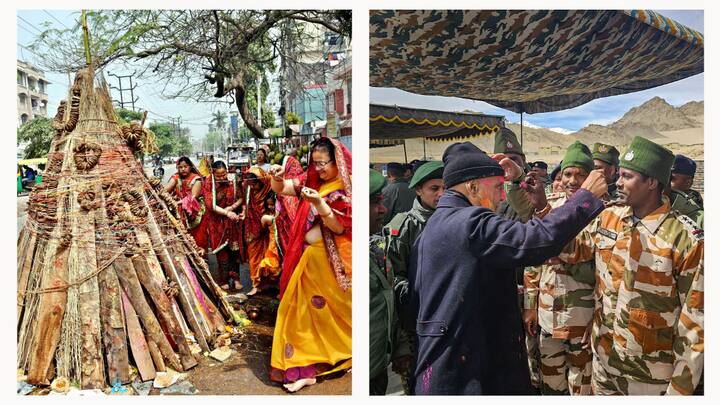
257	237
313	330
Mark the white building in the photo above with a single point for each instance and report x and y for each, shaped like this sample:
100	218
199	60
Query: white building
32	98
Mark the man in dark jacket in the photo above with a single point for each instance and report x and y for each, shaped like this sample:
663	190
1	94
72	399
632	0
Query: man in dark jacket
470	338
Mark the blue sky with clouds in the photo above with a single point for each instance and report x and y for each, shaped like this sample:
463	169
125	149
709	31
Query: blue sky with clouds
599	111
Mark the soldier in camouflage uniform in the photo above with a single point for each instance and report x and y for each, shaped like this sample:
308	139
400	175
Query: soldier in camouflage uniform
606	158
648	329
381	294
400	235
683	198
506	142
559	297
683	175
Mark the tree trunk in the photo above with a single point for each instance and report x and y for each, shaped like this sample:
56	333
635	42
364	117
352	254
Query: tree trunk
25	261
164	310
138	344
244	110
114	337
131	286
51	311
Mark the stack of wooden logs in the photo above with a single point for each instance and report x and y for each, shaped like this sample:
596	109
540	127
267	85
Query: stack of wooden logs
107	275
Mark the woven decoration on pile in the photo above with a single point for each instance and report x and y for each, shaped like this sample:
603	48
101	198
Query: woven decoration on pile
138	138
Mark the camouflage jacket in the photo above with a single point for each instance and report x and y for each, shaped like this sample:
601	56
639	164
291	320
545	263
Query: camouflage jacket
400	235
696	198
649	313
381	309
561	292
686	205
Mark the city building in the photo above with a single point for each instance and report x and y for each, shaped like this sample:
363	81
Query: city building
32	95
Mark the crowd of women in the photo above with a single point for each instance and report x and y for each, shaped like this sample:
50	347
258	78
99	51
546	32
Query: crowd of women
293	228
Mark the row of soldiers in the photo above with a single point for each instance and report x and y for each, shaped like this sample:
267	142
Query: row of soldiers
611	314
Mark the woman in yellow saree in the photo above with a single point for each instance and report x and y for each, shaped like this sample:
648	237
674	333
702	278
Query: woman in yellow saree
313	330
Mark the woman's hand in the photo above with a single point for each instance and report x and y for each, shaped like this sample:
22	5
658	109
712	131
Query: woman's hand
233	216
277	172
310	195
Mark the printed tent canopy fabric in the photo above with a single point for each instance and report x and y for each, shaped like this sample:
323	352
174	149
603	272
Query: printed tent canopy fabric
530	60
391	124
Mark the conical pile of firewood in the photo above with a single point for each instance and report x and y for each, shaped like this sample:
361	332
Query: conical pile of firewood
107	276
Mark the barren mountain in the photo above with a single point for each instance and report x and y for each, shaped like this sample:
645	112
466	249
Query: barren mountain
680	129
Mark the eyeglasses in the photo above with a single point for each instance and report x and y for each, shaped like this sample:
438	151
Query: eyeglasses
320	164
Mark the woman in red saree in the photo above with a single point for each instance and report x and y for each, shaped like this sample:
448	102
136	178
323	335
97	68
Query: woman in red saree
287	205
224	226
186	185
257	237
313	330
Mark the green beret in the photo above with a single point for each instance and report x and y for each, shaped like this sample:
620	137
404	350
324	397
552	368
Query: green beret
607	153
578	155
507	142
428	171
377	182
648	158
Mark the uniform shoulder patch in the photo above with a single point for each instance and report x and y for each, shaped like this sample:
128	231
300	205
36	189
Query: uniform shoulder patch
393	227
691	226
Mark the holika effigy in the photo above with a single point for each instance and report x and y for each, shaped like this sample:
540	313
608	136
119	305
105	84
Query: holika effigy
108	278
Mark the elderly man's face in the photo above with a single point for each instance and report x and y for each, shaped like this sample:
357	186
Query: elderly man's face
487	192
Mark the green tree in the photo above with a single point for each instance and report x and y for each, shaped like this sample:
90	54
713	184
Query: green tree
165	137
124	116
293	118
268	117
219	119
201	53
39	133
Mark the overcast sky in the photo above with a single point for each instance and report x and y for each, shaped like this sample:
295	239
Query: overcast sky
599	111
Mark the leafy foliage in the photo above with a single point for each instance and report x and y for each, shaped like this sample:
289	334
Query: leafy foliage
293	118
197	54
39	133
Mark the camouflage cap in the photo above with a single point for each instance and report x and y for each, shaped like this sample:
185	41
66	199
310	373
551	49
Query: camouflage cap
506	142
428	171
648	158
578	155
377	182
607	153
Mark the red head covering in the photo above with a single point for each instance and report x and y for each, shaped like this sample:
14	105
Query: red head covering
343	161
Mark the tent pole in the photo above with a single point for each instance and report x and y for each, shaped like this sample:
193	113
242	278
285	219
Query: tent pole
521	128
405	150
424	154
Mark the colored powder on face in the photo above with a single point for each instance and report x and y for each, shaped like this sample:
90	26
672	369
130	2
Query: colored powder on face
427	376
